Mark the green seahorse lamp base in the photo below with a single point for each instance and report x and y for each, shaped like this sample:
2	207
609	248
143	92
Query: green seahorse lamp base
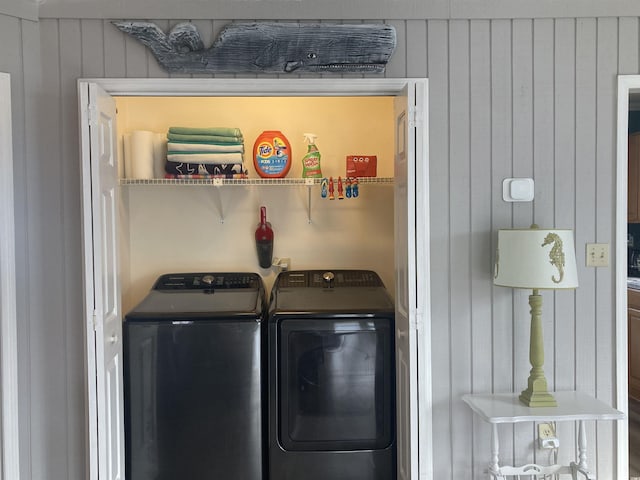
536	259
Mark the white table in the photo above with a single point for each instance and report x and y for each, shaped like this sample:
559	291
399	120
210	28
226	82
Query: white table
572	406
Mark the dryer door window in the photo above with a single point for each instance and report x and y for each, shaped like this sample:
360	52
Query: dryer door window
336	384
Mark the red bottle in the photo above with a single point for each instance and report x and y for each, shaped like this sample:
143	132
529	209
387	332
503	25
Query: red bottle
264	240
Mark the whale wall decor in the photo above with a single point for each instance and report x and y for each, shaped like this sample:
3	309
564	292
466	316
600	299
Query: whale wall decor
269	47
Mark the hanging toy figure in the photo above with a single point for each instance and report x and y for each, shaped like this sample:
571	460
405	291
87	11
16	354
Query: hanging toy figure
347	191
340	191
354	187
331	197
324	184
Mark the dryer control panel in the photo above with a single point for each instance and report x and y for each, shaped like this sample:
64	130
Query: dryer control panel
328	279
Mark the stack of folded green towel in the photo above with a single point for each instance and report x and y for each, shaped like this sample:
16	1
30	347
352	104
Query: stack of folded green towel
216	152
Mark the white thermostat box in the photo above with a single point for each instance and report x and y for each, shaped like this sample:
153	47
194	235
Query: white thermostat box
517	189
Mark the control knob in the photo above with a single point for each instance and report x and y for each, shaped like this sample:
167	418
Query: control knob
328	278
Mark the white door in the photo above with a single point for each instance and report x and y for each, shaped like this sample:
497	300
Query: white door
9	460
103	311
405	265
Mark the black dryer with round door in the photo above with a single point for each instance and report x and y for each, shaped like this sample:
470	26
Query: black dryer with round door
331	377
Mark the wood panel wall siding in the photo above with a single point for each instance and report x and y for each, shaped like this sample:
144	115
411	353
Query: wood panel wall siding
507	98
335	9
17	38
23	9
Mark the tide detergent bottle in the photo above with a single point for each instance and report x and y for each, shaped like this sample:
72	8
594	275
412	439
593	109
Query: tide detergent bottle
272	154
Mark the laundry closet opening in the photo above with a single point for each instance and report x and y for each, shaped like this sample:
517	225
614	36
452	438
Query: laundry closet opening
182	226
136	229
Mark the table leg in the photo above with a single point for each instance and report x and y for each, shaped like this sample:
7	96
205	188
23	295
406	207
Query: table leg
581	466
582	446
494	464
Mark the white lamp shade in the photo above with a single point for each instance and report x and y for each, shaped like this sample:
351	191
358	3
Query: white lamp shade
536	258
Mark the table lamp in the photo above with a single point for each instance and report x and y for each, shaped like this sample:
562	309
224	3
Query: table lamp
536	259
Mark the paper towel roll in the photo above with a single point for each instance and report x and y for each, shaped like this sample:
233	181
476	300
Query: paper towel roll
159	154
141	164
126	148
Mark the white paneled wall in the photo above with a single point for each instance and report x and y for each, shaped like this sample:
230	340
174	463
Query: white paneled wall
19	45
525	98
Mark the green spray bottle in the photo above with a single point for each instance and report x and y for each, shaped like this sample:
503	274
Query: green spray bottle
311	161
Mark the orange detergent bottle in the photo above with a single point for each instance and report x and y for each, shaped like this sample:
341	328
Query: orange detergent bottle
272	154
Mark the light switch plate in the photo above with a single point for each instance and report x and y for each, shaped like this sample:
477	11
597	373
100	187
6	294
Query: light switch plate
517	189
597	255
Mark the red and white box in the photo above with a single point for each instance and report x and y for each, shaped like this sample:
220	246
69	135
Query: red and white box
362	165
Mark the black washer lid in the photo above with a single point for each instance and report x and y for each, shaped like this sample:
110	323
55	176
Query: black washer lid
202	295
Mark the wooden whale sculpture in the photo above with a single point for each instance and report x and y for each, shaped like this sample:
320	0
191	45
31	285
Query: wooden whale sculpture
270	47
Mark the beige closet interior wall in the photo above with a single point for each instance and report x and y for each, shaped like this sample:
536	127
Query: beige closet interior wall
198	228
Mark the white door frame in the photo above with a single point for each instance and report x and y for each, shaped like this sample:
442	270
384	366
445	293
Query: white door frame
10	464
333	87
626	84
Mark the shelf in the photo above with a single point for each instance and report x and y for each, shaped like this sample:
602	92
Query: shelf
218	182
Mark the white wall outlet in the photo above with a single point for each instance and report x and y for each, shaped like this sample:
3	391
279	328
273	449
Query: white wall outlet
597	254
546	430
547	436
281	264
